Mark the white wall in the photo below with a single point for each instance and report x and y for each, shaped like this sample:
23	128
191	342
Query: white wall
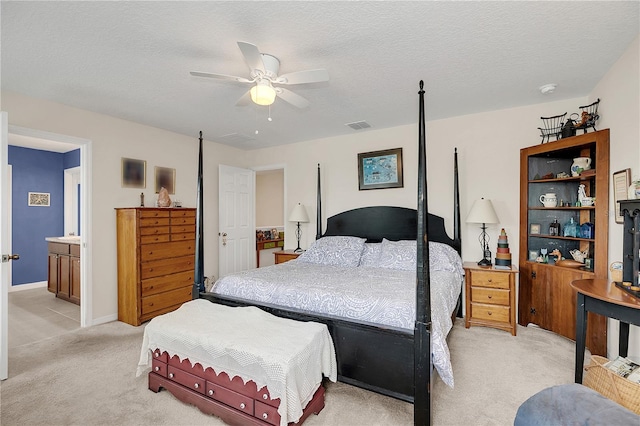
112	139
619	91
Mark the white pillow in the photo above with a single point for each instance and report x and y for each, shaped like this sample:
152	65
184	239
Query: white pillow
339	251
371	254
398	254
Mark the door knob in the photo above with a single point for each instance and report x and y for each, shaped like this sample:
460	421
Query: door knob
8	257
224	238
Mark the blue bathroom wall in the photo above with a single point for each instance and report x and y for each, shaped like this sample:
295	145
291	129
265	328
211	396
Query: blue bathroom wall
35	171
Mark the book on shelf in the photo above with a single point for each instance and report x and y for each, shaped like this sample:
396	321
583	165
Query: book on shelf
626	368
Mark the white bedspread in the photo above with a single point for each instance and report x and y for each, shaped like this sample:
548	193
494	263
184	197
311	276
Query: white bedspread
379	296
289	357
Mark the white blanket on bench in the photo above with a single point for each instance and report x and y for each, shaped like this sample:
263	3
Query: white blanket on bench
289	357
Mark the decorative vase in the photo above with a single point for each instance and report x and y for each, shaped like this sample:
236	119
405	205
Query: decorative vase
571	228
579	165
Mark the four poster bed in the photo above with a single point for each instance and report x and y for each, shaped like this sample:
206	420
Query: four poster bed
386	357
381	282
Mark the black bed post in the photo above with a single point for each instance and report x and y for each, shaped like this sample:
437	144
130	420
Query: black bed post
318	209
456	203
198	276
422	331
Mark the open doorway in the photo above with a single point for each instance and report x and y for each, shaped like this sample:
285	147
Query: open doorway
269	213
77	217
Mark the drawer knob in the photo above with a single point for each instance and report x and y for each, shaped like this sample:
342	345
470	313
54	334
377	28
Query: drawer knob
171	375
196	386
265	415
489	313
210	391
489	296
242	405
157	368
265	396
490	280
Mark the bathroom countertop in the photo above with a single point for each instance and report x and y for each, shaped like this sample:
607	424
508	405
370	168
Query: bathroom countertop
64	240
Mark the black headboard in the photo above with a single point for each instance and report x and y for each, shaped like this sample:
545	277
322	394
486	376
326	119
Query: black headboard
393	223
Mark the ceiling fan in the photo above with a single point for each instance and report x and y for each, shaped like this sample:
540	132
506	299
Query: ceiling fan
265	79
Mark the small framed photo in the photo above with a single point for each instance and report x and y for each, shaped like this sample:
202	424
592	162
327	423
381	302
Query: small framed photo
534	229
134	173
165	178
39	199
621	184
533	255
380	169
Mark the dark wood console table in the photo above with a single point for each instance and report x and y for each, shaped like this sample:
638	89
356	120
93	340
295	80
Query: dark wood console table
603	297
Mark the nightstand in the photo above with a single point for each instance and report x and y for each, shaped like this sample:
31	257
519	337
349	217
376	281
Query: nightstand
286	255
490	297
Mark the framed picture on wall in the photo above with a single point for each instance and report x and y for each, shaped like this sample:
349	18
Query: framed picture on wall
134	173
380	169
165	178
39	199
621	183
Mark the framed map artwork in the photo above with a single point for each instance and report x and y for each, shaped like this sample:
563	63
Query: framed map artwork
380	169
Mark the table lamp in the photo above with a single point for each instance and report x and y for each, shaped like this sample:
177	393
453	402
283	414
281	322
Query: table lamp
482	212
299	215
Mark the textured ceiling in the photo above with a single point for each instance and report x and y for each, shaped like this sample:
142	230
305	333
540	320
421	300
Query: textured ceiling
132	59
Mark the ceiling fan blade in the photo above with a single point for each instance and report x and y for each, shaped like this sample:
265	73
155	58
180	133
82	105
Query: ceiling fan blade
301	77
245	99
252	56
292	98
220	76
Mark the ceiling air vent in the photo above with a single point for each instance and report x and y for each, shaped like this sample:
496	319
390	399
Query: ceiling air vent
358	125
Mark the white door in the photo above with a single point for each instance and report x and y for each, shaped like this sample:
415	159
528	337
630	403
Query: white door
236	236
4	247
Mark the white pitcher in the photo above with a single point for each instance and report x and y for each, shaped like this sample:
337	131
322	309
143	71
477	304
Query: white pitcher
579	165
549	199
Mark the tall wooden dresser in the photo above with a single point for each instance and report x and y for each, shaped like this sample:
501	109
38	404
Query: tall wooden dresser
156	255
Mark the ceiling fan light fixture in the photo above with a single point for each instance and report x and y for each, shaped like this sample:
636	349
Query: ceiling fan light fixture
262	93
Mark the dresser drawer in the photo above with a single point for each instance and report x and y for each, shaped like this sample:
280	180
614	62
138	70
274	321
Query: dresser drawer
490	279
150	252
183	237
150	239
157	285
163	300
186	379
154	230
159	367
154	221
483	311
158	268
490	295
232	399
153	213
183	213
267	413
175	221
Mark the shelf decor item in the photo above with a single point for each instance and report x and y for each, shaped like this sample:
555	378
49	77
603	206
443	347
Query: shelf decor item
552	126
571	228
588	116
621	183
482	212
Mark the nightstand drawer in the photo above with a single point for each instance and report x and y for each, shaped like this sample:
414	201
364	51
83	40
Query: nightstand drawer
489	295
481	311
490	279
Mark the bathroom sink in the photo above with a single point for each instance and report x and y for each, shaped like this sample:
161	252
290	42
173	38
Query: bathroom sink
70	238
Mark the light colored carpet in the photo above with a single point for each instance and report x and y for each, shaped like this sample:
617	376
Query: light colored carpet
87	377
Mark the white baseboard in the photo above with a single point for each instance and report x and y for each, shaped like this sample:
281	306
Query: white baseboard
29	286
103	320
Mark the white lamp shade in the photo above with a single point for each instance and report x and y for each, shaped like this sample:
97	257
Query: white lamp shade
262	93
482	212
299	214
